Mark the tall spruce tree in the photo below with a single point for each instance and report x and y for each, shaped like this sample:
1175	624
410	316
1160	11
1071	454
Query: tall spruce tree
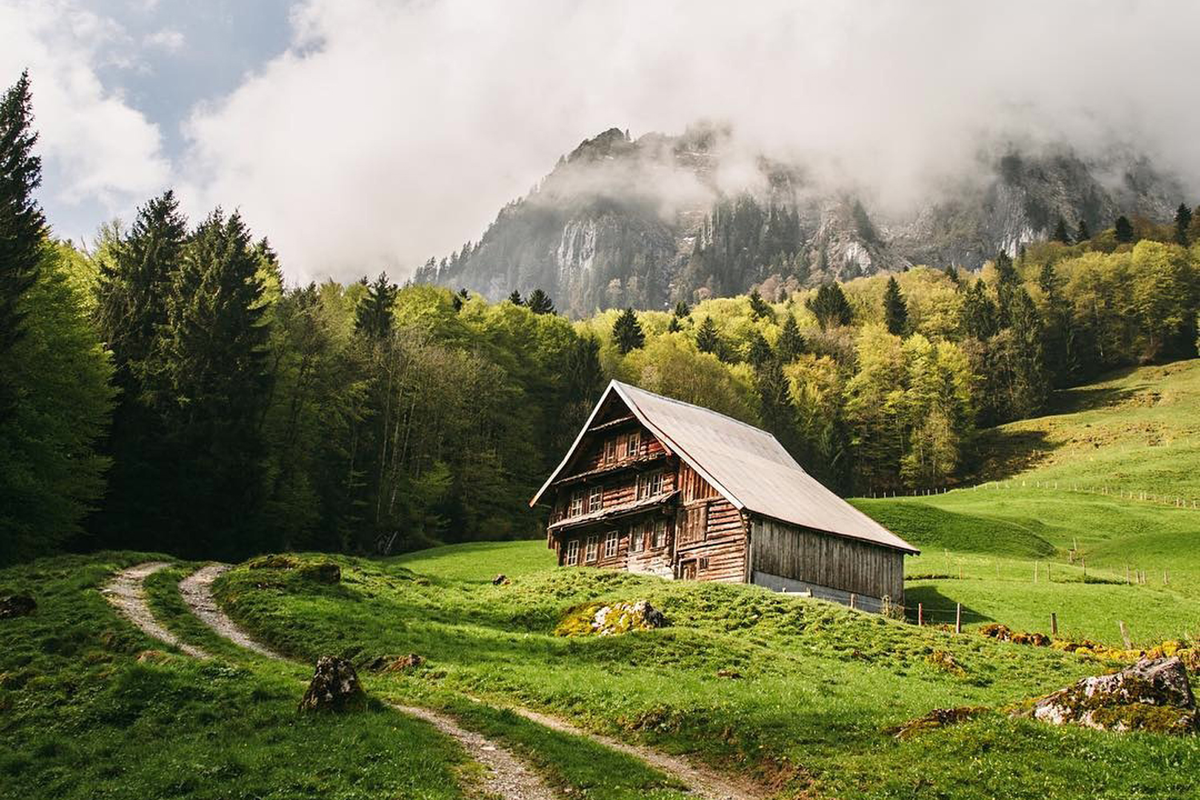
22	225
775	407
1183	221
1060	232
708	339
830	306
627	332
540	303
682	310
1123	229
791	342
210	385
1083	233
136	278
759	351
895	310
759	308
374	314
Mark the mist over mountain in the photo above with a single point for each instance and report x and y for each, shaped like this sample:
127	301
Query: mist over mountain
648	221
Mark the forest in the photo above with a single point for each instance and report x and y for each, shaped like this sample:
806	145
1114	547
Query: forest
164	388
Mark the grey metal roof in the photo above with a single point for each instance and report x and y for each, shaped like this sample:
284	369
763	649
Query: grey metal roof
746	465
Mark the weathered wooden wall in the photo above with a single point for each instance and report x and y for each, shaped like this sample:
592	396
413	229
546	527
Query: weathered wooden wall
712	534
823	559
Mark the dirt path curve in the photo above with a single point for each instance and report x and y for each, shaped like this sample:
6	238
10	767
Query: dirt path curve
127	592
506	776
700	780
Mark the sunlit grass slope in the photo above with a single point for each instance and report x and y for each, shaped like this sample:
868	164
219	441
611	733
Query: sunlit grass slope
801	693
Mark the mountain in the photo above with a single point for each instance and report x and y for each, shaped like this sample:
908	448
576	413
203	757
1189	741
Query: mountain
646	222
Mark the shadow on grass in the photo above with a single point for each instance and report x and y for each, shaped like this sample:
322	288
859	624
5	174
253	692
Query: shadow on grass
938	608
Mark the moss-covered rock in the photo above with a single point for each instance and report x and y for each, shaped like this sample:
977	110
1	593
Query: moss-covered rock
1152	695
611	619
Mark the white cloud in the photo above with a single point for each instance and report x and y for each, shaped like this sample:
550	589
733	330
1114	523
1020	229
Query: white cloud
390	132
166	39
96	148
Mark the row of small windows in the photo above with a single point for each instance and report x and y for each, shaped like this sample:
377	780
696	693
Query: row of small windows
587	501
624	446
641	535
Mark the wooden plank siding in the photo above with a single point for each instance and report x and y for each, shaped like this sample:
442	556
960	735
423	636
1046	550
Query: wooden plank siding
720	548
826	560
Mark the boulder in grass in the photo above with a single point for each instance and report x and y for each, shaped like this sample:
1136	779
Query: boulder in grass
938	718
1152	695
408	663
321	572
500	580
595	619
334	687
17	605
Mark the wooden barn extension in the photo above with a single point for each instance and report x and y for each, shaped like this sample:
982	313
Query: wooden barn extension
657	486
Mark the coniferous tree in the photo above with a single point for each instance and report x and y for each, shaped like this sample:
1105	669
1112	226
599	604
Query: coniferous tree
708	339
775	407
830	306
978	317
136	278
540	303
210	385
627	332
374	313
460	298
22	224
1060	232
673	326
1183	221
1123	229
895	310
759	351
514	297
1083	234
791	342
682	310
952	273
759	308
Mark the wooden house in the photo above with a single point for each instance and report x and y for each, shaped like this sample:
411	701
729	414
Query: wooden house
655	485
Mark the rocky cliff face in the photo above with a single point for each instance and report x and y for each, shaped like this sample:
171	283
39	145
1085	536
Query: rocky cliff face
649	221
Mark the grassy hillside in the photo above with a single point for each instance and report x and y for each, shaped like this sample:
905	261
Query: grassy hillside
1066	481
801	693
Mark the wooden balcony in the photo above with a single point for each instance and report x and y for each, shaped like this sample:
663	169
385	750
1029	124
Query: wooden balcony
560	522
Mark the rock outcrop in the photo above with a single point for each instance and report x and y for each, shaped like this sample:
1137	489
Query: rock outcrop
613	619
17	605
334	687
1152	695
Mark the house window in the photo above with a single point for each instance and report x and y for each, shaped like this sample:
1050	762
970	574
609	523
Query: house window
610	543
656	483
572	553
576	506
610	451
637	539
650	485
631	444
595	498
592	551
660	534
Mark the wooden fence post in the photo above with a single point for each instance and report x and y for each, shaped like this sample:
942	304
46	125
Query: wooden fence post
920	614
958	617
1053	624
1124	635
852	599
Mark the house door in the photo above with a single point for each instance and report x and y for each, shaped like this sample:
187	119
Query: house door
687	569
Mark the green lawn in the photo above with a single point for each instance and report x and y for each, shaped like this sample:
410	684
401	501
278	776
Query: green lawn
85	712
817	686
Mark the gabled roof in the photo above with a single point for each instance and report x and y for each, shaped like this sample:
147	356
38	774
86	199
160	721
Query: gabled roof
746	465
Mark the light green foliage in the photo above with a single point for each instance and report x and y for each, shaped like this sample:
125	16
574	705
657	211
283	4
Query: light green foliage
50	472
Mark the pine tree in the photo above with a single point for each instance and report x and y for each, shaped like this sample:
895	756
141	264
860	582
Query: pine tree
673	326
22	225
1183	221
1123	229
791	342
978	317
627	332
775	407
515	298
830	306
210	385
1083	234
952	273
708	339
895	310
759	308
540	303
759	351
460	298
373	317
682	311
1060	232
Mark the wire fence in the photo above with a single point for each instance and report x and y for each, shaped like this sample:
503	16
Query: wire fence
1174	500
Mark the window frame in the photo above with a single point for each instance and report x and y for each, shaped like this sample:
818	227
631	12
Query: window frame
610	450
571	557
637	538
595	499
659	536
633	442
658	483
575	503
591	551
612	543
